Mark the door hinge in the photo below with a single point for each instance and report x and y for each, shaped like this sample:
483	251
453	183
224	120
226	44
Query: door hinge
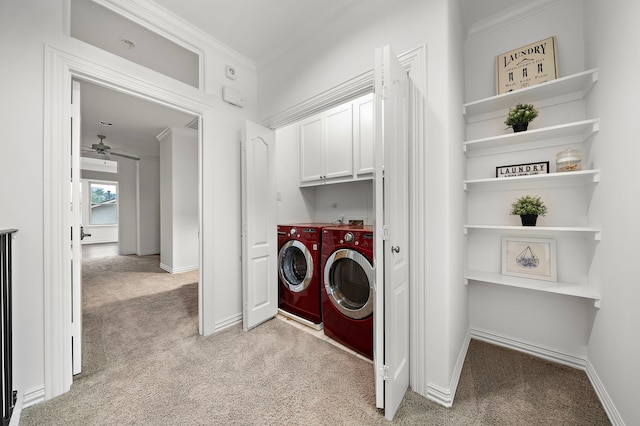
385	232
384	372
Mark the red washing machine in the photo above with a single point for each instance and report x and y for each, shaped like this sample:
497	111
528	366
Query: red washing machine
347	290
299	270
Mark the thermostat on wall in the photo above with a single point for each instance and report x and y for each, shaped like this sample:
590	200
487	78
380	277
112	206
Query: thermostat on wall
232	96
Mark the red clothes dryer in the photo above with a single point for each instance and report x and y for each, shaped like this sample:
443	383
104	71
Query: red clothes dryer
299	270
347	290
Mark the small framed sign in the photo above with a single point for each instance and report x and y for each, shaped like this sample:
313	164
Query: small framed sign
529	258
526	66
522	169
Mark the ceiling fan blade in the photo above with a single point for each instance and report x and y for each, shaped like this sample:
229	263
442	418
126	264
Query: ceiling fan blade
131	157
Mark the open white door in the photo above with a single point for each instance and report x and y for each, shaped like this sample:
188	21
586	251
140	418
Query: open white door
76	233
259	228
392	234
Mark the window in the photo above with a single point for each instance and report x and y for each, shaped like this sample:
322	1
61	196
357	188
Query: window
104	203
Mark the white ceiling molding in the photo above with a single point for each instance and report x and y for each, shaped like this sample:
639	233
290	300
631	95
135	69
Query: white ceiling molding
149	14
509	16
351	89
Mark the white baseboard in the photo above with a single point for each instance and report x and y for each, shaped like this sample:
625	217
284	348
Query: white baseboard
549	354
603	395
439	395
444	396
457	369
33	396
171	270
227	322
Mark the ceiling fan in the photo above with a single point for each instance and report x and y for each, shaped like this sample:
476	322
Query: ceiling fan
105	151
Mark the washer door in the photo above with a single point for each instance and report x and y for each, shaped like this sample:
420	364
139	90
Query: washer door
295	265
348	280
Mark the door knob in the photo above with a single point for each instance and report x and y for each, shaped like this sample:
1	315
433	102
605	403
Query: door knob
395	249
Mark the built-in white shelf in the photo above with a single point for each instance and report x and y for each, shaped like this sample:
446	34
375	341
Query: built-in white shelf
581	177
552	92
592	232
564	134
570	289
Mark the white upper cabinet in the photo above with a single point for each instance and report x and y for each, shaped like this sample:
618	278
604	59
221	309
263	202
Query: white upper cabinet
337	145
363	134
338	153
312	149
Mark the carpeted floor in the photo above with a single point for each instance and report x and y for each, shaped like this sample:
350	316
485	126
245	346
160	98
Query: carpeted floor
143	363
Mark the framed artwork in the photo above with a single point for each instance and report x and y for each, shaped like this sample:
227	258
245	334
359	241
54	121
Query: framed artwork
529	258
522	169
527	66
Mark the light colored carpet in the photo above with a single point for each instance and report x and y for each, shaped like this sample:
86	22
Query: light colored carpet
144	363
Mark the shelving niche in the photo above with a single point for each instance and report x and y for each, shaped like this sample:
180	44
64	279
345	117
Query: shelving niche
568	90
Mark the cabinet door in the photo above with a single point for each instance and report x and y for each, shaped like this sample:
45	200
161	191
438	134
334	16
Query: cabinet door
339	142
312	149
363	134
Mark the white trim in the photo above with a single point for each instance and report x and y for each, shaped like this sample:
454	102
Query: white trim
603	395
509	16
415	62
228	322
550	354
178	270
60	67
444	396
33	396
439	395
457	369
344	92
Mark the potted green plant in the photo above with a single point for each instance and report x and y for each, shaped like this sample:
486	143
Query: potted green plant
520	116
528	208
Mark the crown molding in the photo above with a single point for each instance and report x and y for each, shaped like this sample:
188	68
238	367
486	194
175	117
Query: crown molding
509	16
169	25
413	61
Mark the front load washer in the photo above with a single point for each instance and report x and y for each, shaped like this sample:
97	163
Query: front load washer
347	290
299	271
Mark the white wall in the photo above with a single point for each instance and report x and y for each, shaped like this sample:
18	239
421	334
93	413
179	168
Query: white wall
148	197
294	205
166	201
559	323
344	50
613	346
25	28
128	214
179	200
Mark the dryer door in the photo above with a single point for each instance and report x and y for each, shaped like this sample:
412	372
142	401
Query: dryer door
295	265
348	280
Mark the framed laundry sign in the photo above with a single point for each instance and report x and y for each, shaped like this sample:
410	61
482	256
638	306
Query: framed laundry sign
527	66
522	169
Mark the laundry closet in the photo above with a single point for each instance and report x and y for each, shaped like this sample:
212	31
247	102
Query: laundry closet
325	213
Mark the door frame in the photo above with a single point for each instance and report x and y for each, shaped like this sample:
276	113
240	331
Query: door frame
61	66
414	62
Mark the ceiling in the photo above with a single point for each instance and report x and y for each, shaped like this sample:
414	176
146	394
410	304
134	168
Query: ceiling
256	29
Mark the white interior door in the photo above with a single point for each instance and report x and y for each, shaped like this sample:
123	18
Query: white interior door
259	228
392	241
76	234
